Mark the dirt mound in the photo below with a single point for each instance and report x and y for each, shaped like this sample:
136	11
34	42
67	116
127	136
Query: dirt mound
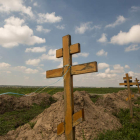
45	128
112	102
10	103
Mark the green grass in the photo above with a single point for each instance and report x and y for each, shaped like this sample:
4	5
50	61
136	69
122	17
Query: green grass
52	91
131	126
12	120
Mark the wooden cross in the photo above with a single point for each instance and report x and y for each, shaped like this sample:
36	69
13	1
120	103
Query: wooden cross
127	78
70	119
137	84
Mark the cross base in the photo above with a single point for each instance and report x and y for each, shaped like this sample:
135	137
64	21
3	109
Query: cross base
130	96
78	117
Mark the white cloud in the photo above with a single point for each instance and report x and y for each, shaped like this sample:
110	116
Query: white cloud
103	38
26	77
20	68
40	28
32	71
35	4
105	75
132	48
84	27
102	66
8	71
36	49
132	36
74	63
13	34
127	67
50	18
81	54
15	6
135	8
131	73
50	56
101	53
43	73
4	65
120	20
60	27
33	62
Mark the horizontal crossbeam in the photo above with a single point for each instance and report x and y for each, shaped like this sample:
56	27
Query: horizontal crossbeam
75	48
124	78
129	83
75	70
78	117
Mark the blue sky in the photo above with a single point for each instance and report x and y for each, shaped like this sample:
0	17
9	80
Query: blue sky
31	31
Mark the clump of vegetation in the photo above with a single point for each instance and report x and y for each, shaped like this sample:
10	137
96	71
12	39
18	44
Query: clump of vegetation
32	124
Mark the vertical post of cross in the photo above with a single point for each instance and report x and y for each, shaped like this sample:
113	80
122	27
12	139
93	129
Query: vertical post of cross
68	90
137	84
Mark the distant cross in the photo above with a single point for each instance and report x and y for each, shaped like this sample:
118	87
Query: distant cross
70	119
128	84
137	84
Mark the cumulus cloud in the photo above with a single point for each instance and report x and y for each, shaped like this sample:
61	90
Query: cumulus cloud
35	4
15	6
40	29
135	8
81	54
132	48
84	27
132	36
48	18
127	67
102	66
50	56
36	49
33	62
103	38
131	73
4	65
117	69
31	71
120	20
105	75
60	27
14	33
101	53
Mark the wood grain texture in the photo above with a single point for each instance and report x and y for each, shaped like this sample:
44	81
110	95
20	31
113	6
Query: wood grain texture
78	117
60	128
54	73
75	48
68	98
124	78
134	83
84	68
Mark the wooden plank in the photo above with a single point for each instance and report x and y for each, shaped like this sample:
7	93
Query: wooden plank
78	117
130	97
68	97
124	78
59	53
54	73
129	83
84	68
60	128
75	48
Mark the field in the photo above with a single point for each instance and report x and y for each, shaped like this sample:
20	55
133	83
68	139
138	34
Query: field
13	119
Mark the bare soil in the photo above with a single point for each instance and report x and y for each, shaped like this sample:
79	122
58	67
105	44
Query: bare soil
98	116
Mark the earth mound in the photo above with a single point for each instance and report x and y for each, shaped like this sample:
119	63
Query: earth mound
112	102
45	124
9	103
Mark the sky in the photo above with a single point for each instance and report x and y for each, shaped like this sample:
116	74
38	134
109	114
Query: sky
31	31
